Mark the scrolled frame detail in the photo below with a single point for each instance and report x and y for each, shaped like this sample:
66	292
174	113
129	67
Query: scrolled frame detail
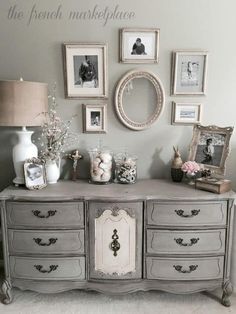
160	99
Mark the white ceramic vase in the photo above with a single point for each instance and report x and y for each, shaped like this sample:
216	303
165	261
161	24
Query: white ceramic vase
52	171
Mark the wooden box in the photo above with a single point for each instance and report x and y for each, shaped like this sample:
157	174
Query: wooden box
213	185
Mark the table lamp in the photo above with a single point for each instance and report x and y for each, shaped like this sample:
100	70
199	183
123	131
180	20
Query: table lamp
21	105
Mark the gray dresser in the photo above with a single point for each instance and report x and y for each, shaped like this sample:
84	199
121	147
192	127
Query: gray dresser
152	235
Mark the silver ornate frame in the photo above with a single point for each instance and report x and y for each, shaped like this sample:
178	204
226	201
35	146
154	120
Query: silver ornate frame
133	125
35	161
197	130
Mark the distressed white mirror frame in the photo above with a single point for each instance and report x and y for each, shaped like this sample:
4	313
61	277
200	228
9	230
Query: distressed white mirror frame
120	89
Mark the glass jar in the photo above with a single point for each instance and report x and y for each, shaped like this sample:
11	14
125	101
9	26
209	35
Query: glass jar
100	165
126	168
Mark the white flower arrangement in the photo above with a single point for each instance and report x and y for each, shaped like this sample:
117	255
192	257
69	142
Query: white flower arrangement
55	132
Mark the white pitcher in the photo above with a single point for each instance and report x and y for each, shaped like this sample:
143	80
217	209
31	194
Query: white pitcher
52	171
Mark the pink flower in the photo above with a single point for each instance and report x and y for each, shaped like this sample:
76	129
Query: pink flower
190	167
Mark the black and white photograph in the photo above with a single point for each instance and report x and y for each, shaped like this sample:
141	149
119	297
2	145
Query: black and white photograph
85	68
189	72
86	71
186	113
139	45
94	118
34	171
210	146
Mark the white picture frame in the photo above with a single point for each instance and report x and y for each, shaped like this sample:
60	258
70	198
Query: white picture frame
85	70
94	118
186	113
139	45
35	174
189	71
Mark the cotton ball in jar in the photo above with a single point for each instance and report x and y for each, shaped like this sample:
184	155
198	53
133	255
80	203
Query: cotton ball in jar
106	176
105	157
105	166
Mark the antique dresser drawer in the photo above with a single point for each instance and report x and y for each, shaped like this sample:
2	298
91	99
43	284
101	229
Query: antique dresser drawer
185	242
187	213
185	268
46	242
50	214
48	268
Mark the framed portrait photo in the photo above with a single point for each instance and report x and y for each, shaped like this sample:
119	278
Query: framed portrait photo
189	69
95	118
186	113
85	70
35	174
210	147
139	45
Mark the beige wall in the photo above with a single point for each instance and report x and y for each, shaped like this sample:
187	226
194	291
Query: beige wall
34	53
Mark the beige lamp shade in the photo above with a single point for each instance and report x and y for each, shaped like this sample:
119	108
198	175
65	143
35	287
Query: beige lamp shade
22	102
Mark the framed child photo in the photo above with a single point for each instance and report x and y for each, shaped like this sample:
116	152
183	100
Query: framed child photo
186	113
85	70
95	118
35	174
189	69
139	45
210	147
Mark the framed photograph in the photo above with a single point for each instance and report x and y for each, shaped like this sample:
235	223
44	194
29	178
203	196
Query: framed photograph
186	113
35	175
85	70
95	118
189	70
210	147
139	45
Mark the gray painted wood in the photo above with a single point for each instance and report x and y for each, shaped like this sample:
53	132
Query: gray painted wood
36	214
143	189
186	241
46	242
187	213
77	198
185	268
118	287
65	268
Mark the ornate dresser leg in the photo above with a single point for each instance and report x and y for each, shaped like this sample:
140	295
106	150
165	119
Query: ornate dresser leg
6	290
227	291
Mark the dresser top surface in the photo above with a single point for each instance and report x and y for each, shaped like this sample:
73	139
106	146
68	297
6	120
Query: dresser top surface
142	189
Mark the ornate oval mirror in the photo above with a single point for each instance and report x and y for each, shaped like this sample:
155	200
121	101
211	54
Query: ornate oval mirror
139	99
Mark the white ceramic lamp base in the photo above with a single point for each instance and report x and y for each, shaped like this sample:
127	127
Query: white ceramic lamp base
25	149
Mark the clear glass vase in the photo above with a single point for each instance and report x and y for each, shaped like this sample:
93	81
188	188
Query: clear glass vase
126	168
100	166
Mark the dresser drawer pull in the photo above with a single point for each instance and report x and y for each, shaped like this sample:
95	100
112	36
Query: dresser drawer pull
192	241
50	241
44	271
194	212
180	269
50	213
115	245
